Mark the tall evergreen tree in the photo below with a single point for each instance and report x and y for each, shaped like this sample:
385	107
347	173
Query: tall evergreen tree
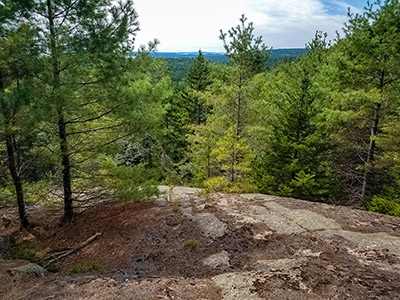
186	108
84	46
364	69
198	79
17	52
248	56
231	101
294	163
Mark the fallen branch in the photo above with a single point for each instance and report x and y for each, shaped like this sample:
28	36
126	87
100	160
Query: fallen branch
66	253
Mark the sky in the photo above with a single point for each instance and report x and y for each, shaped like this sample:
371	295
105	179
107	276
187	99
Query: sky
190	25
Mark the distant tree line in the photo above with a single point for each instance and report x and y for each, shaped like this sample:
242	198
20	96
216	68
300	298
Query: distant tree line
179	66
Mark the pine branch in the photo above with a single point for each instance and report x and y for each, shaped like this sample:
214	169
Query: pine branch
75	121
94	130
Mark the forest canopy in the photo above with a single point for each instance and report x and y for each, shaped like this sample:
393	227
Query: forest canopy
82	120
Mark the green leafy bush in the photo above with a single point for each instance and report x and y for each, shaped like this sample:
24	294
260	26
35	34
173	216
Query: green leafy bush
29	251
221	184
26	251
216	184
384	206
129	183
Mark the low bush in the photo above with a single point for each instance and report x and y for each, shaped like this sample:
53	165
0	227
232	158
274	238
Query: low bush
384	206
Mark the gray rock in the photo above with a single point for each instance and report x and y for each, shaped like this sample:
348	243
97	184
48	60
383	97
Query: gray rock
378	240
181	192
201	206
185	202
161	201
31	269
218	260
237	286
210	225
163	189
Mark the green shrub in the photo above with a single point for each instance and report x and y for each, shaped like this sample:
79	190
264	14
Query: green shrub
216	184
384	206
128	183
244	186
221	184
26	251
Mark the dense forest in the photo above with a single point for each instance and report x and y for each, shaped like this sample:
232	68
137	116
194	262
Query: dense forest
179	63
83	120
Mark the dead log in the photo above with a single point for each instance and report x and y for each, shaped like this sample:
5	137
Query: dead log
66	253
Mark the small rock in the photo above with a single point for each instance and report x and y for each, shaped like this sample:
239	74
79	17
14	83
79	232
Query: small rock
307	253
263	235
30	269
330	268
218	260
164	189
187	212
200	206
161	201
210	225
185	202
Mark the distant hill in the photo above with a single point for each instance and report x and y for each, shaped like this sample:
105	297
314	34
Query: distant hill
220	57
180	62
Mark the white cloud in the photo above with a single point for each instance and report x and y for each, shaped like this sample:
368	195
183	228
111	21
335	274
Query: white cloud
292	23
188	25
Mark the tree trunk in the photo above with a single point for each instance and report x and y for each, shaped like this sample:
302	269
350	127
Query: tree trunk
373	134
66	164
13	168
199	112
371	149
13	163
238	109
62	132
208	165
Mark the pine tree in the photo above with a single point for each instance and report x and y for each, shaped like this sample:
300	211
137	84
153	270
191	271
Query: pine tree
230	98
244	50
364	68
248	56
84	47
16	69
202	142
294	164
233	155
198	79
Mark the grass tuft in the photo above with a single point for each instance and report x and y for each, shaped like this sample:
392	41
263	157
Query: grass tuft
191	243
85	267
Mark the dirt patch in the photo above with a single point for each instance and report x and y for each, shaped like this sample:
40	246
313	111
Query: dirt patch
164	250
333	276
108	288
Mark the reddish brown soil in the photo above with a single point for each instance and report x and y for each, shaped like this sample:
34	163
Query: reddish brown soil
143	256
